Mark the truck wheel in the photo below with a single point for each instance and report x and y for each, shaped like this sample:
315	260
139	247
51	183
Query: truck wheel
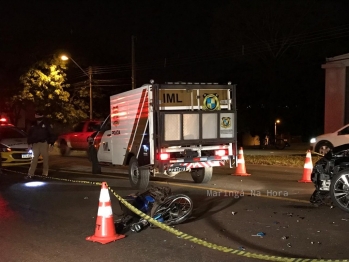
64	149
201	175
339	190
139	177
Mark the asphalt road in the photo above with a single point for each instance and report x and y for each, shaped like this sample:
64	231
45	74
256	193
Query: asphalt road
50	222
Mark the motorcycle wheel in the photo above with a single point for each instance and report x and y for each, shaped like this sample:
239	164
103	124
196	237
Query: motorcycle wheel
174	210
339	190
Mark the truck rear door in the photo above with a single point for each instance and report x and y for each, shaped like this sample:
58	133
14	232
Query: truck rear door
129	119
195	117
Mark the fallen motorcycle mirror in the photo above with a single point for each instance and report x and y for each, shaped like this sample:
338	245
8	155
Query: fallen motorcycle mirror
158	203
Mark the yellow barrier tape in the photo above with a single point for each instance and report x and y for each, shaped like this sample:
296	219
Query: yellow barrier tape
316	153
180	234
195	240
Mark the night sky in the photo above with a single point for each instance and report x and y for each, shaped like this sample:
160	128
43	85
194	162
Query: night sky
272	50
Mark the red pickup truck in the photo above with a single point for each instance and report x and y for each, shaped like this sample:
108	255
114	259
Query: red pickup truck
77	138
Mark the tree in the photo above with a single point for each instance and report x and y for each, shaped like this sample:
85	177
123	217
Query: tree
45	86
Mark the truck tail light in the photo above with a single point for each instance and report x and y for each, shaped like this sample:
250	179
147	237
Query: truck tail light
221	152
164	156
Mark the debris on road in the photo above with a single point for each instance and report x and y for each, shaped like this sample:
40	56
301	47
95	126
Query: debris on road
259	234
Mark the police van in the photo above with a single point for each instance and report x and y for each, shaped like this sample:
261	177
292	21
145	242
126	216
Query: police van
169	128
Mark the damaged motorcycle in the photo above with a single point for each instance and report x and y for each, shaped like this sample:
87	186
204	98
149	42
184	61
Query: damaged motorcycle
330	176
158	203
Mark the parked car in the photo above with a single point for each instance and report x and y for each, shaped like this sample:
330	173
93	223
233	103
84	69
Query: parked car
13	145
323	143
77	138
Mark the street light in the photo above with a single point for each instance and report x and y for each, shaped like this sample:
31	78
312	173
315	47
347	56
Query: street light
89	75
276	122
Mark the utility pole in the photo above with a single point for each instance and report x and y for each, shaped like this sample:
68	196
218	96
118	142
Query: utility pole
133	64
90	80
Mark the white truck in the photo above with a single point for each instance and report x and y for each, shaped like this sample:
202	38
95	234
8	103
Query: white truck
167	129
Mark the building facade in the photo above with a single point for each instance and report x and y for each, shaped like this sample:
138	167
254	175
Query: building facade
336	92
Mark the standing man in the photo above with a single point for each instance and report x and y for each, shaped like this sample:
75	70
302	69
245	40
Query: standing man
40	137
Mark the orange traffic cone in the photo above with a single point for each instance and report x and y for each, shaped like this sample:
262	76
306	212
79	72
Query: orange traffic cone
308	168
105	228
241	169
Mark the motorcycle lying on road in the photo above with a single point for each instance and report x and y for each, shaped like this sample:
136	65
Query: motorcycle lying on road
158	203
330	176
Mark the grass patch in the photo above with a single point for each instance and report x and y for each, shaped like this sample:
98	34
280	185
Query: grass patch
289	161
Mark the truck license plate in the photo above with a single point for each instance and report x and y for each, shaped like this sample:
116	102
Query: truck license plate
177	169
26	155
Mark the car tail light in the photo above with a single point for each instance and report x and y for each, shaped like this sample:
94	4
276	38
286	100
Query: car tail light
164	156
3	120
221	152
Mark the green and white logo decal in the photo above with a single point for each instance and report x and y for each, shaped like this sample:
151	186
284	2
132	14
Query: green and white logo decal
226	122
211	102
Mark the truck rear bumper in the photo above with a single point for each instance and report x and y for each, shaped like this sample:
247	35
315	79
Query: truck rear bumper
179	167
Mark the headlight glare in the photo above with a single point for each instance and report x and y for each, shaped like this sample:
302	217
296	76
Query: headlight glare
313	140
